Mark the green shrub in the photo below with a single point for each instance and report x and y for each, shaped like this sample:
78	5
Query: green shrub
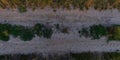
16	30
4	31
24	33
4	27
38	29
47	32
97	31
115	34
112	56
82	56
4	36
42	30
27	34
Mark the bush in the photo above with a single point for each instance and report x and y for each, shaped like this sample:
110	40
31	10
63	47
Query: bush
112	56
16	30
42	30
115	34
4	36
82	56
47	32
38	29
4	31
97	31
27	34
4	27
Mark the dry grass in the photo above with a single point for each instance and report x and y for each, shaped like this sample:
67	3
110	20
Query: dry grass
68	4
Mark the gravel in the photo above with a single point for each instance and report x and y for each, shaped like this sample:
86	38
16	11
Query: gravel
60	42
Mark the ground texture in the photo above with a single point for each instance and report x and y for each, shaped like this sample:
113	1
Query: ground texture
60	42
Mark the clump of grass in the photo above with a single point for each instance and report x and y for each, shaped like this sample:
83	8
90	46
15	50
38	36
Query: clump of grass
115	33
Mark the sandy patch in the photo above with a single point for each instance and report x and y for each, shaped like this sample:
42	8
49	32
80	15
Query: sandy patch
59	42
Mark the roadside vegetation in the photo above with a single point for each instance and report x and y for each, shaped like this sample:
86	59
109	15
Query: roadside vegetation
23	32
114	33
98	31
27	33
67	56
23	5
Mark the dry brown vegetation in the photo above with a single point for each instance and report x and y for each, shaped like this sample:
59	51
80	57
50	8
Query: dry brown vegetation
22	5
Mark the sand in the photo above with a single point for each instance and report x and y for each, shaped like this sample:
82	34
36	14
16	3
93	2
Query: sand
60	42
